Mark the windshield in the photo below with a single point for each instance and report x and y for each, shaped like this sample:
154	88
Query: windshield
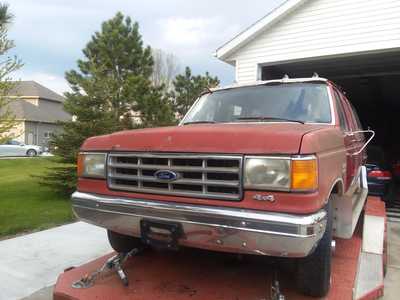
297	102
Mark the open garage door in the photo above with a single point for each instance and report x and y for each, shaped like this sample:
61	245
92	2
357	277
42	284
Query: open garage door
372	84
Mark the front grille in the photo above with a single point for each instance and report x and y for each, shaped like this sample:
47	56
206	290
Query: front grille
200	176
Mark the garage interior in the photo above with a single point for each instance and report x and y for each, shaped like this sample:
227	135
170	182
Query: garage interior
371	82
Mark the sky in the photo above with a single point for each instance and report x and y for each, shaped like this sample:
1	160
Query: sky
50	34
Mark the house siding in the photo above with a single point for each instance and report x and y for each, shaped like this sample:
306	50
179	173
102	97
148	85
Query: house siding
322	28
38	130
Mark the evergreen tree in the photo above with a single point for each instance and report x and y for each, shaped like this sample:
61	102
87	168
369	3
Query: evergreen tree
155	109
112	84
188	87
7	66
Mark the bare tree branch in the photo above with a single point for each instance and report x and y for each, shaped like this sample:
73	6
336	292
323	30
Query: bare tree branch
165	69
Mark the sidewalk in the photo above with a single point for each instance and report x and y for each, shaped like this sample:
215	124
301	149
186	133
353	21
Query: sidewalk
32	262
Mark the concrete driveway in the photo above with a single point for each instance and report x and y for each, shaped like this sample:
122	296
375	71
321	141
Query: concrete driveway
392	280
33	262
30	265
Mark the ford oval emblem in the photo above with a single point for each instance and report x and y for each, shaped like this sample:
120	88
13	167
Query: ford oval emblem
166	175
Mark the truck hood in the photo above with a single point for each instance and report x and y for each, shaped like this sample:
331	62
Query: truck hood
247	138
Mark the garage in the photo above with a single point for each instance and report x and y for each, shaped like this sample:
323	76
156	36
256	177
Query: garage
371	83
354	43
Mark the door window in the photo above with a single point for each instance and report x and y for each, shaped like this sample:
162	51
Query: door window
350	115
342	116
356	118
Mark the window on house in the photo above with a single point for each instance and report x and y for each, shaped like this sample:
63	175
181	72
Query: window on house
47	134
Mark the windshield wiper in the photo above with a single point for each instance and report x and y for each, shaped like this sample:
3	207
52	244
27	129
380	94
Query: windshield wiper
199	122
269	119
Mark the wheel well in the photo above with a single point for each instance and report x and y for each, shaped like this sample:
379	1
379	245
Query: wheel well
337	188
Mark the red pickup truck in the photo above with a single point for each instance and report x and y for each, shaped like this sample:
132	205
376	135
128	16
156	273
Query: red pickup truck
272	168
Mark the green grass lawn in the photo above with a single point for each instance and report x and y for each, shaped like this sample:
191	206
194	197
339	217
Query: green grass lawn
26	205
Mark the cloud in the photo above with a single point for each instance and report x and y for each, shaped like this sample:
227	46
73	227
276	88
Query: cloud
185	31
198	31
49	35
193	40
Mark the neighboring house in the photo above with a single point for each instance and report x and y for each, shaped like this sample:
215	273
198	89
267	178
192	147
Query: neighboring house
37	110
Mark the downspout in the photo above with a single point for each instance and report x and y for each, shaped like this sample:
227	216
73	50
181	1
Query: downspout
37	134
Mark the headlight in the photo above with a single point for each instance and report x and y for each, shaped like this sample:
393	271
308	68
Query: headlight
281	173
267	173
92	165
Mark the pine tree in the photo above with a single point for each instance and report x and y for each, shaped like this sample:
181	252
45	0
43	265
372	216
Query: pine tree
111	85
163	115
7	66
188	87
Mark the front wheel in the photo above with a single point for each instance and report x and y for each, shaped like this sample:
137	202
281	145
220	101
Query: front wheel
314	271
31	153
123	243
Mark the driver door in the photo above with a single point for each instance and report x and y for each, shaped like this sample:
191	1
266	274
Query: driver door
357	139
16	148
348	138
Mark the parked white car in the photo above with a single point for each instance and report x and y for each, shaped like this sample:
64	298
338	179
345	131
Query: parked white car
15	148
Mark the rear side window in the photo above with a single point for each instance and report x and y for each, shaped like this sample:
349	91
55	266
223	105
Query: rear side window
351	123
342	117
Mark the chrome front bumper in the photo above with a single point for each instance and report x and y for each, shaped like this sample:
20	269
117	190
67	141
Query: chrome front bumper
207	227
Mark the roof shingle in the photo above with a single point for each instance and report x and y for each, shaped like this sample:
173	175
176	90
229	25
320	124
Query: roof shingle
34	89
46	111
49	108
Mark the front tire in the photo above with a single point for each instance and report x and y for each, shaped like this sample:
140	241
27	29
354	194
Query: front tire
123	243
314	271
31	153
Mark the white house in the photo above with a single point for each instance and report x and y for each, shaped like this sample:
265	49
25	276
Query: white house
302	33
355	43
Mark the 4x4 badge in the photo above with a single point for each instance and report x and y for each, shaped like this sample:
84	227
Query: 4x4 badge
260	197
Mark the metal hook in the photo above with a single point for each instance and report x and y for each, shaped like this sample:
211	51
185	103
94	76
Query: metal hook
367	142
275	293
115	262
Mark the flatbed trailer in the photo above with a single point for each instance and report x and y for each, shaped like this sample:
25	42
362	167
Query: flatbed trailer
358	268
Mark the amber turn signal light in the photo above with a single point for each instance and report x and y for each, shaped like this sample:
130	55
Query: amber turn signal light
304	174
81	158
